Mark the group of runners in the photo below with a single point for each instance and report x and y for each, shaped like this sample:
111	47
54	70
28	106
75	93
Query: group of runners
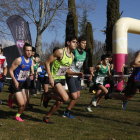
65	65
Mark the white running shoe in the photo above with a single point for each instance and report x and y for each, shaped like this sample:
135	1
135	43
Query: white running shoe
94	101
88	109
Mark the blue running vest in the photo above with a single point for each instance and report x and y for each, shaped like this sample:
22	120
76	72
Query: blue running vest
21	72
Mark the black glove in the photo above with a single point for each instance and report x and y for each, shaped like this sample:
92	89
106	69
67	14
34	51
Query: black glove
3	78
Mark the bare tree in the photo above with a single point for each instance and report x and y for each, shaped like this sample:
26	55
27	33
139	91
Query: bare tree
47	49
42	13
99	49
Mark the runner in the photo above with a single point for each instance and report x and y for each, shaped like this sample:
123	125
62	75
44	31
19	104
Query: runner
60	64
133	83
99	83
74	82
35	60
3	71
46	83
18	72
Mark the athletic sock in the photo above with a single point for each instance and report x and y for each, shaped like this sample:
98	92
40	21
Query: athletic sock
67	111
18	115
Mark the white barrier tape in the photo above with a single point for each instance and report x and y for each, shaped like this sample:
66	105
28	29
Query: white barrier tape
112	76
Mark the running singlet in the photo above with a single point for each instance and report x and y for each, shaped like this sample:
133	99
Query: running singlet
60	67
101	72
3	63
78	61
22	70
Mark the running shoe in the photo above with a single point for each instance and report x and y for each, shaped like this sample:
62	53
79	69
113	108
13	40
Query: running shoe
0	124
94	101
0	102
47	120
124	104
68	115
18	119
88	109
10	101
46	101
98	106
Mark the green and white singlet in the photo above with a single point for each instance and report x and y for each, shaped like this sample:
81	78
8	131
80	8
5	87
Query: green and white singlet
60	67
78	61
98	74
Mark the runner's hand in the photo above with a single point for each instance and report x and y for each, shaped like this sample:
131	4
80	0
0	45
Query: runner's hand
80	74
32	77
16	84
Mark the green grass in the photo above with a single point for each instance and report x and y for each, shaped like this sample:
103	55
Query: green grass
106	123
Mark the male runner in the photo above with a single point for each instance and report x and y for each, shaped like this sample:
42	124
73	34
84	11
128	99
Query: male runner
74	82
19	72
101	71
60	64
46	82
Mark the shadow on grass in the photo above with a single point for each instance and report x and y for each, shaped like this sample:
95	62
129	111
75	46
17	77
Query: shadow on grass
11	114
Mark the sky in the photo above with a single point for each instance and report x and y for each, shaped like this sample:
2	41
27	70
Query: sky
98	19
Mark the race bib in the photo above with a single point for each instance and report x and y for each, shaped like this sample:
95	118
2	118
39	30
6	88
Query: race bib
79	64
62	71
100	80
39	69
22	75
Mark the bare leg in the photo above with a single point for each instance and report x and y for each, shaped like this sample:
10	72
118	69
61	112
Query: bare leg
58	103
74	97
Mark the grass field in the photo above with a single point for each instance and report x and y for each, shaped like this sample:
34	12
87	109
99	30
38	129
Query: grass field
106	123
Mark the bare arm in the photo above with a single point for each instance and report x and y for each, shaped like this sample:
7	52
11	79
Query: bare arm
74	73
57	54
32	71
97	67
5	71
14	65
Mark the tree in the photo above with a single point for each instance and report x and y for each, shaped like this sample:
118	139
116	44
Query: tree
72	19
83	24
113	15
47	49
90	43
99	50
42	13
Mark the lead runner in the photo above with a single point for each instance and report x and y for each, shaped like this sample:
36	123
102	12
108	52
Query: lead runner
60	62
74	82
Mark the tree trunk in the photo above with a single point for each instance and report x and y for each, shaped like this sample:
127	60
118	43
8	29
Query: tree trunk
38	43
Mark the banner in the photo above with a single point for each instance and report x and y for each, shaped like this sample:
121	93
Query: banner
20	31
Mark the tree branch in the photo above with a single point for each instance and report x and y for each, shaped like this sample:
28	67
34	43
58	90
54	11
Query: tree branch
33	10
48	23
26	13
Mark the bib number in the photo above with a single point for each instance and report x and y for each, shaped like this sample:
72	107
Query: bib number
79	64
22	75
62	71
100	80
